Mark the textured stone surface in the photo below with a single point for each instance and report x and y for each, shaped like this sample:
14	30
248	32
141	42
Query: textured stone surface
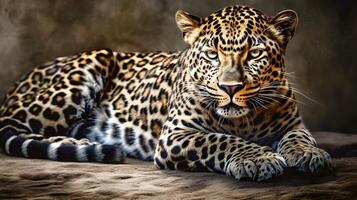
321	55
41	179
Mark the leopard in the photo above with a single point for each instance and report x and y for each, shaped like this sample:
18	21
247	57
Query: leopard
223	104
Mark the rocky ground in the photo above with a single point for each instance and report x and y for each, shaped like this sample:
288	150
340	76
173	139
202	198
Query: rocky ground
40	179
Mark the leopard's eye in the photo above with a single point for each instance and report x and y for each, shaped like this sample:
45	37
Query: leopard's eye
255	53
212	55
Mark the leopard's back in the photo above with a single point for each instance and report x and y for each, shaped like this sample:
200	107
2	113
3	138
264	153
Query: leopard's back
87	107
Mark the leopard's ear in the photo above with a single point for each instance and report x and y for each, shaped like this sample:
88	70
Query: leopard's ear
189	25
282	26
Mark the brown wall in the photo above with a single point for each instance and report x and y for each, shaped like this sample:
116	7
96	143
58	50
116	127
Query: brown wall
321	54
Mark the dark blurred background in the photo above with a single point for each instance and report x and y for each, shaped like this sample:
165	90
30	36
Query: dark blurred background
321	58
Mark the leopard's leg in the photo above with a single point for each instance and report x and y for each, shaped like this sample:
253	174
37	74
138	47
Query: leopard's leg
103	127
298	147
197	151
98	127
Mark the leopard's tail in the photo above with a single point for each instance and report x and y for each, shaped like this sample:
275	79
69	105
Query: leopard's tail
17	145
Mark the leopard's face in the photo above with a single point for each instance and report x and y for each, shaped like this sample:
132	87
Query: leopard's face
236	58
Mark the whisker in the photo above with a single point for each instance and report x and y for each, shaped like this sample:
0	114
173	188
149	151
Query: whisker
277	85
283	97
261	103
269	98
258	102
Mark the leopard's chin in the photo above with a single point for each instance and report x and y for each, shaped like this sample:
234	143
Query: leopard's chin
230	111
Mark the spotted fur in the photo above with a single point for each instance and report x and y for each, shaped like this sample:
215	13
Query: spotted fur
223	104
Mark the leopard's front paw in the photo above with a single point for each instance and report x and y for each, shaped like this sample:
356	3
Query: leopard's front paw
307	158
258	168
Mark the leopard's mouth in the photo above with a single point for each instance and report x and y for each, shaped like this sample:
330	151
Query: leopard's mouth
232	111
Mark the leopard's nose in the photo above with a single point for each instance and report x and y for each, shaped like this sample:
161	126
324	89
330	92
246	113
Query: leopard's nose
231	89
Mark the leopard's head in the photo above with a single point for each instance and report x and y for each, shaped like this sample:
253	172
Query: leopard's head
235	59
